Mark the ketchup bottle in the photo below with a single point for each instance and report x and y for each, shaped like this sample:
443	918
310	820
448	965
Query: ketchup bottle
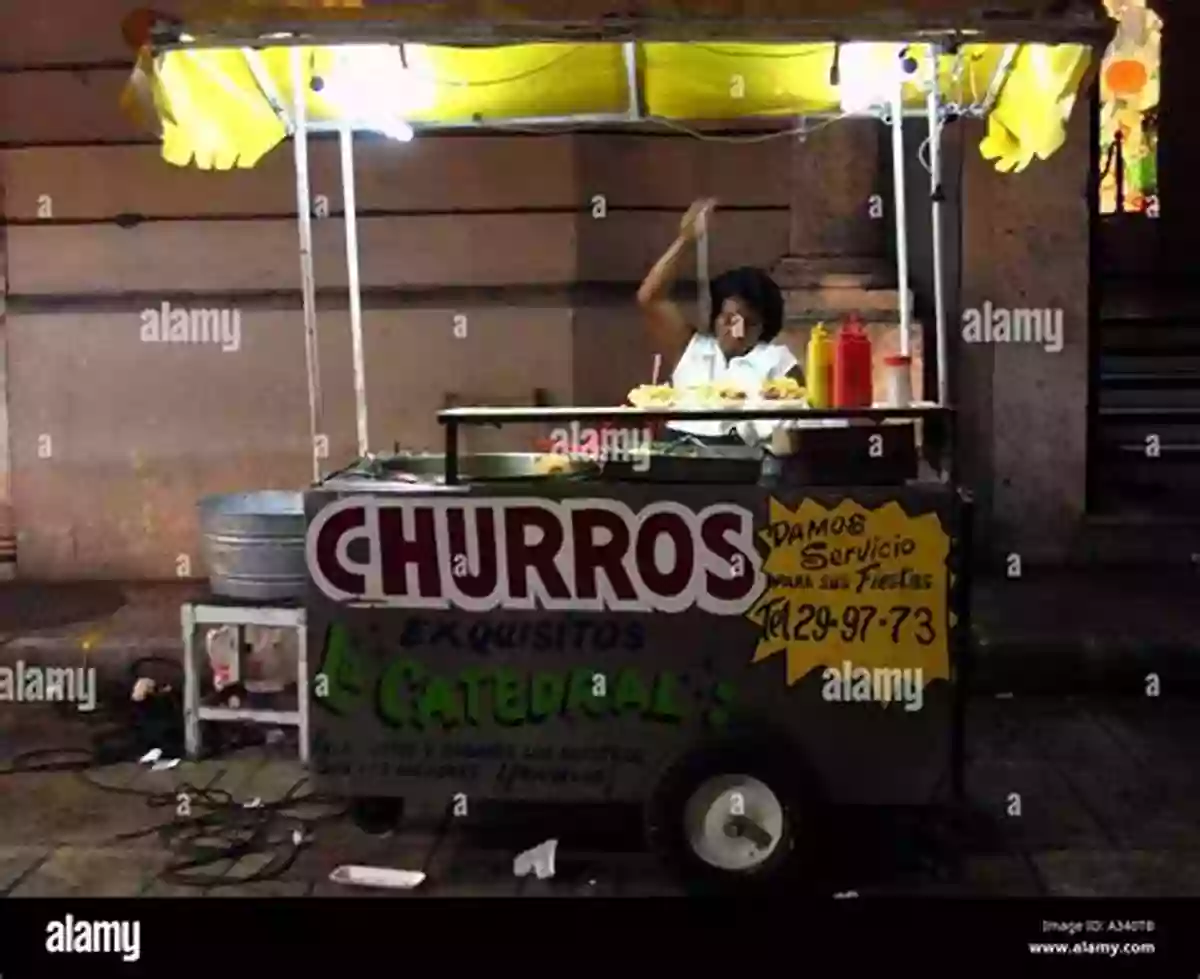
852	381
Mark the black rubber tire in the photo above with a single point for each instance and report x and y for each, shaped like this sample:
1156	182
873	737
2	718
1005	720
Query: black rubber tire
792	866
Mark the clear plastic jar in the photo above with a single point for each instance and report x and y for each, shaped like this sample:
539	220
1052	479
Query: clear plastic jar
897	381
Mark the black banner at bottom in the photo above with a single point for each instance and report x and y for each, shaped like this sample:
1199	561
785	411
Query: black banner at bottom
167	937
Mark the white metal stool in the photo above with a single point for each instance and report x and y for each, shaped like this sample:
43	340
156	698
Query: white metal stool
193	615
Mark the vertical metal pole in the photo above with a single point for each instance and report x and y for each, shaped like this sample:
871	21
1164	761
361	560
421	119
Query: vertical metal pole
307	281
451	434
346	142
303	693
901	210
703	295
191	684
632	81
1119	175
933	107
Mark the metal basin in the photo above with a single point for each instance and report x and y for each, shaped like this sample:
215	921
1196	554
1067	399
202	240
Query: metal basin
479	467
254	544
689	464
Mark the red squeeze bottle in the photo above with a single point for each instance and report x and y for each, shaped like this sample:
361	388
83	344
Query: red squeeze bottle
852	381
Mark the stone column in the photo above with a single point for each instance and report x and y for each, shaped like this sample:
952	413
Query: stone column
836	168
1025	247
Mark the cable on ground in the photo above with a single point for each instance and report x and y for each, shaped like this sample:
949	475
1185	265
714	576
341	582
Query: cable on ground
210	832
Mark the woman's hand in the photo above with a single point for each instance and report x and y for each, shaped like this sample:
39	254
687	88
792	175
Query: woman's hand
698	213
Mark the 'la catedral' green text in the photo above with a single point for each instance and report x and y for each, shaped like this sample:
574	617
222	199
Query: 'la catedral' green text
408	695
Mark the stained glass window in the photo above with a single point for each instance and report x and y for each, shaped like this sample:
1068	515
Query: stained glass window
1129	90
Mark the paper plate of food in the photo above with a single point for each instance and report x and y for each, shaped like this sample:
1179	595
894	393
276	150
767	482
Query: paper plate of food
715	395
652	396
782	389
783	392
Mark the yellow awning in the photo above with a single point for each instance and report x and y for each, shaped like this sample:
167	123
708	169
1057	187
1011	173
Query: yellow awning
219	108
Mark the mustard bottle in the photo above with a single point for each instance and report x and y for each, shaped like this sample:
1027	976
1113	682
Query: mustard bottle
818	371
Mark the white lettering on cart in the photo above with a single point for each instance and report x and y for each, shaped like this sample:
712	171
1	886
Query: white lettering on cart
532	553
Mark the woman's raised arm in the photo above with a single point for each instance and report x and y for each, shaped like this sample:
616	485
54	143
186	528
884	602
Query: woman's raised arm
669	329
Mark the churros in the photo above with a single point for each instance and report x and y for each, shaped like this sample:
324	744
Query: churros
783	389
652	396
715	394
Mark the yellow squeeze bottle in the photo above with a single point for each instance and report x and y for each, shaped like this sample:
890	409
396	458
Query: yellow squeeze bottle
818	371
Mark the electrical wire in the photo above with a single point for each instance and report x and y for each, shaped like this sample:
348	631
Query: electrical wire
219	830
816	51
801	131
210	832
976	101
954	108
923	149
813	50
490	82
961	78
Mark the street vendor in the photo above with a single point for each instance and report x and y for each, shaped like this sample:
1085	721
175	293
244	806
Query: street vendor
738	348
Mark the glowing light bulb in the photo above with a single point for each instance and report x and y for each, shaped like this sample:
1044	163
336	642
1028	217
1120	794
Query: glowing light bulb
869	74
371	87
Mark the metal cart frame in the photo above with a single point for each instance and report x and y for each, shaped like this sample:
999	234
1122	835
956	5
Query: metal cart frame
945	38
300	126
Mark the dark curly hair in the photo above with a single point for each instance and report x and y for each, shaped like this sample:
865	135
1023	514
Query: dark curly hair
754	288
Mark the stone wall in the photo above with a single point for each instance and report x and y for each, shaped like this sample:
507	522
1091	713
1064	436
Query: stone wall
1025	246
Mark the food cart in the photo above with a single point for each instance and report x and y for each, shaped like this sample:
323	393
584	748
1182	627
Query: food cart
733	638
728	646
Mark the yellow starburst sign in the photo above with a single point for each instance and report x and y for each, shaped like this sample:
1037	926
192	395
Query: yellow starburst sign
852	585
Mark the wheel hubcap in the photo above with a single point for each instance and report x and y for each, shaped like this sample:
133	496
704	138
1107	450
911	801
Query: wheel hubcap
734	822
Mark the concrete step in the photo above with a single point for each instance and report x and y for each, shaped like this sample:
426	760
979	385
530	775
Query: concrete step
1137	540
1060	632
1089	665
1141	301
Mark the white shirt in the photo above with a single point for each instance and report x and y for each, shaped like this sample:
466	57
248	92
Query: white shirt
703	362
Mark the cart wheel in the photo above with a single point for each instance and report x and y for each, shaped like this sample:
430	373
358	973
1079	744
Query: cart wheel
738	817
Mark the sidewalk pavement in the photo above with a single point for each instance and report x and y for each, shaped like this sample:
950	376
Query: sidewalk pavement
1047	633
1109	795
